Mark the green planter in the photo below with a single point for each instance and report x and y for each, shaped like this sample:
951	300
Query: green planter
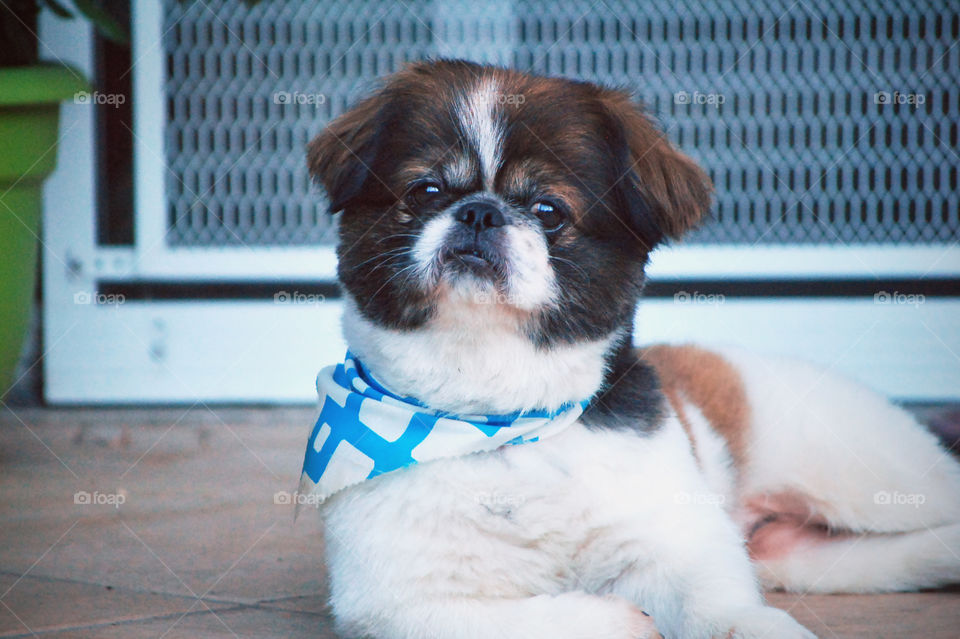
29	112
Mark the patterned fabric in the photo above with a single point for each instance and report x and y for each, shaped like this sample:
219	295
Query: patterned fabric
364	431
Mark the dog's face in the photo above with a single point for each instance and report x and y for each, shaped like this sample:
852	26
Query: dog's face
477	187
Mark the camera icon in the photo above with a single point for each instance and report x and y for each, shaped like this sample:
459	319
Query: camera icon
82	497
281	97
681	97
681	297
81	97
82	297
882	297
882	498
282	498
281	297
881	97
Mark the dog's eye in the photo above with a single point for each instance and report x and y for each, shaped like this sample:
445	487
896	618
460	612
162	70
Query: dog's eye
550	215
424	192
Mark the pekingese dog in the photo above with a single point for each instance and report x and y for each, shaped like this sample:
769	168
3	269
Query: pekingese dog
494	456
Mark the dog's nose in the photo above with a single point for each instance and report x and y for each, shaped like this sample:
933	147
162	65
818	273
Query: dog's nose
480	216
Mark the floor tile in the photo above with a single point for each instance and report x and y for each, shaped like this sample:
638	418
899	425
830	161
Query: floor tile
248	623
31	604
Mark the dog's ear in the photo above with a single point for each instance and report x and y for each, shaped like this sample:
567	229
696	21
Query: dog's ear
343	155
665	192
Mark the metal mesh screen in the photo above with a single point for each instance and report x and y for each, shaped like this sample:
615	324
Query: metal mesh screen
819	122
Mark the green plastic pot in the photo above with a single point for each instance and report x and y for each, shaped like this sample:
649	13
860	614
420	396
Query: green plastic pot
29	113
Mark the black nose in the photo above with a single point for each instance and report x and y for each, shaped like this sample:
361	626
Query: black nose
480	216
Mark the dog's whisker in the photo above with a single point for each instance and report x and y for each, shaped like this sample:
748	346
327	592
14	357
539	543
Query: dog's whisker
396	236
572	264
386	254
391	278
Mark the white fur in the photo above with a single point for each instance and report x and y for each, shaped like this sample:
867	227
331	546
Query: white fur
815	433
927	557
713	457
427	247
479	117
530	280
471	359
861	465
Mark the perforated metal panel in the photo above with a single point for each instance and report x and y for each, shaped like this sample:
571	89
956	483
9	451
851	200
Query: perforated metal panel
820	122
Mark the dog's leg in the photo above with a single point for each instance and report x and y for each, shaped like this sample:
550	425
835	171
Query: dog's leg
869	562
704	587
681	556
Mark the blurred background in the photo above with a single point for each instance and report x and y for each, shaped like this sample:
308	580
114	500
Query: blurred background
167	270
184	255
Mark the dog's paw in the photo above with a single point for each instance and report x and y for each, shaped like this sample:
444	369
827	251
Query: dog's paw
578	615
767	622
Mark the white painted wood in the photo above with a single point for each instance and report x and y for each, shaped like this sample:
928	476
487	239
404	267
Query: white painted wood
185	352
250	264
805	262
270	352
149	117
68	231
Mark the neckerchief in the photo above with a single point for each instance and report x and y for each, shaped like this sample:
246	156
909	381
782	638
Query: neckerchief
364	431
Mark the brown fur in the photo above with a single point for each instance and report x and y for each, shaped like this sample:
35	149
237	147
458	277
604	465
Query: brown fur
679	189
710	383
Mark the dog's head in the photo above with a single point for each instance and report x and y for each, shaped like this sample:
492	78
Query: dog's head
534	199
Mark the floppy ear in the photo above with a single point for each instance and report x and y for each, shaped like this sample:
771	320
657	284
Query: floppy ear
343	155
664	190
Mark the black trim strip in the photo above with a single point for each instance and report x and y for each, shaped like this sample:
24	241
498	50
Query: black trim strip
152	290
932	287
147	290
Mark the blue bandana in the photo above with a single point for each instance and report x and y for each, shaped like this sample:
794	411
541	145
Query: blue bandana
364	431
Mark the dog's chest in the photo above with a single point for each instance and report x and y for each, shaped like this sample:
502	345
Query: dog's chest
537	517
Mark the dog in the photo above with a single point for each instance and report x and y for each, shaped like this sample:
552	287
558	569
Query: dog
493	233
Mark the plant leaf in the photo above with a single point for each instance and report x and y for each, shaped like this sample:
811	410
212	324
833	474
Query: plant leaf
57	8
102	20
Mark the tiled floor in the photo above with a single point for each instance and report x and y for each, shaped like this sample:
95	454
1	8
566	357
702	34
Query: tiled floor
199	548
